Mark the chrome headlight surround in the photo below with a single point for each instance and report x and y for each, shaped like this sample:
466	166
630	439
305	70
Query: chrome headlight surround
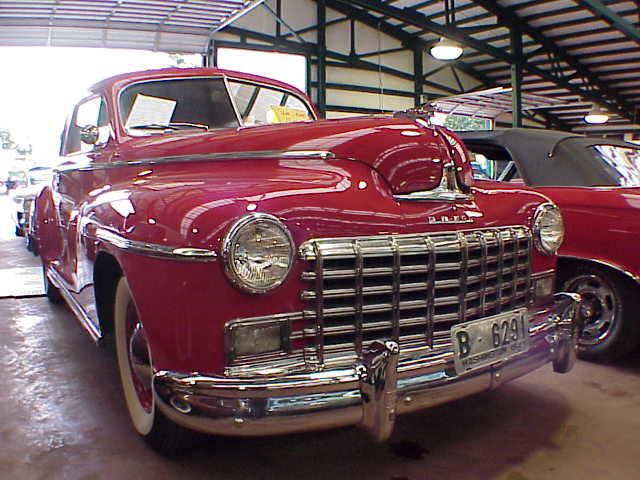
548	228
245	263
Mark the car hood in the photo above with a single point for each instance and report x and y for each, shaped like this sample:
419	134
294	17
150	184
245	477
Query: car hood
407	153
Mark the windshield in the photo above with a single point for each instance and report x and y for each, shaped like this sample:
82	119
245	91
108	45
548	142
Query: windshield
176	104
621	164
163	106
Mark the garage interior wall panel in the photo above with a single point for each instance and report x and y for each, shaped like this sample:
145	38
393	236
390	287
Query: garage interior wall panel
369	39
298	14
258	20
373	101
366	78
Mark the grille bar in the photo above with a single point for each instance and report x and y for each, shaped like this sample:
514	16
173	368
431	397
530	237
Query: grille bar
410	288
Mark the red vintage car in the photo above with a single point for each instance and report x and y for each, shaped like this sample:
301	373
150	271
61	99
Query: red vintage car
596	183
264	272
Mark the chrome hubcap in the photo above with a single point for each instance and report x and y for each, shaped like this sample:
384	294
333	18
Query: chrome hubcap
598	308
139	359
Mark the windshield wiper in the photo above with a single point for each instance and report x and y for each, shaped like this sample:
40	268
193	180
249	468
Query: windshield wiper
169	126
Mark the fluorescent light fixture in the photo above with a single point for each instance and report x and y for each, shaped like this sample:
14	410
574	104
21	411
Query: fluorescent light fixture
596	116
446	49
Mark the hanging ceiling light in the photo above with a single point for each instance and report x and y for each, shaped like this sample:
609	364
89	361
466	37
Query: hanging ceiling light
596	115
446	49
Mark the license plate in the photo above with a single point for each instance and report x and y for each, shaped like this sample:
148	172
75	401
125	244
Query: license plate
489	340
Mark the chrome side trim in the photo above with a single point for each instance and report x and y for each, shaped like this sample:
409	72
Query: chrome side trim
632	276
76	308
240	155
187	254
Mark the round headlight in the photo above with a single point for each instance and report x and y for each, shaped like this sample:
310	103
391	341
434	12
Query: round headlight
258	253
548	228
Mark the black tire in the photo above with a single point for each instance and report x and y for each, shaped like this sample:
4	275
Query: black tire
135	366
52	293
608	311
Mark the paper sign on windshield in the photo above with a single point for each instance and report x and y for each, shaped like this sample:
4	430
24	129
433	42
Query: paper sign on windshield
148	110
285	114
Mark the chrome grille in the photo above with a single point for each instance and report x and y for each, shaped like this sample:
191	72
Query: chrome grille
411	288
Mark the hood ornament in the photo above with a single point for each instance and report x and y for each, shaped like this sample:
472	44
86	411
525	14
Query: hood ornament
448	191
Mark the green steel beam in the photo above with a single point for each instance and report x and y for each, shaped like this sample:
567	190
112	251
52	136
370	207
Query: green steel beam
516	76
601	94
321	102
417	45
417	73
612	18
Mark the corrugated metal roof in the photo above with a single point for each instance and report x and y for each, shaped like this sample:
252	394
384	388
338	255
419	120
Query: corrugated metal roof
164	25
581	52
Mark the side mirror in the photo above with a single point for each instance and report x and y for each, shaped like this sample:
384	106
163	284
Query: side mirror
89	134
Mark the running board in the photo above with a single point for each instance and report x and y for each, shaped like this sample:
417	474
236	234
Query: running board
76	308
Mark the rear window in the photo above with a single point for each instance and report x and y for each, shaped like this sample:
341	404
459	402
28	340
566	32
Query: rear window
622	164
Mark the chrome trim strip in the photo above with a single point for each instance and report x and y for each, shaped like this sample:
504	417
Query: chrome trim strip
395	295
484	249
187	254
76	308
516	263
500	269
431	290
240	155
319	313
305	252
464	272
359	301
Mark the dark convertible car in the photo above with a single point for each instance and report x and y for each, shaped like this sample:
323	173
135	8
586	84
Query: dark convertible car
596	184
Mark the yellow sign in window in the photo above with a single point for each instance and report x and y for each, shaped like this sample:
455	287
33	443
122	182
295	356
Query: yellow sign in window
286	114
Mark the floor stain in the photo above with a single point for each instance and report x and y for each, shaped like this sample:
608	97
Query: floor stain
611	391
516	476
408	449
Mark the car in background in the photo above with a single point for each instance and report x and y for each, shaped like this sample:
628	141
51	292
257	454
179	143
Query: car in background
264	272
596	184
34	179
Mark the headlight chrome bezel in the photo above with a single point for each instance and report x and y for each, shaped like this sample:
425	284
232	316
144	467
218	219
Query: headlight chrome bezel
230	240
539	215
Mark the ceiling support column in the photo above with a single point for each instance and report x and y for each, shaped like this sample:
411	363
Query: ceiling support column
321	52
210	59
417	77
516	76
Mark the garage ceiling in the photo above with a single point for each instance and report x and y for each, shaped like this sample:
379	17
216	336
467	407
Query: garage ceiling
581	52
163	25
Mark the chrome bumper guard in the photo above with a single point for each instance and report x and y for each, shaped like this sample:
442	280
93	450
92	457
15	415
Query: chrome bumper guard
368	394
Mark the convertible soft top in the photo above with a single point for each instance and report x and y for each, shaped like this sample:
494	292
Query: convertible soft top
548	157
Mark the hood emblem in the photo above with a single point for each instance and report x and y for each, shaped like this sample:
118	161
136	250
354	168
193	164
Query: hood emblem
445	219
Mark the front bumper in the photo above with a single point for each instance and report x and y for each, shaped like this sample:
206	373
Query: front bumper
368	394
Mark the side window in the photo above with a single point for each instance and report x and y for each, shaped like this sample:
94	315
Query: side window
90	112
494	164
260	105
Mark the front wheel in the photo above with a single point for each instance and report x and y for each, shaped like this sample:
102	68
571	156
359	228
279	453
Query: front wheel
607	312
135	365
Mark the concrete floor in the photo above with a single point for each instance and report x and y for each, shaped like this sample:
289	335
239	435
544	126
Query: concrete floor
62	417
